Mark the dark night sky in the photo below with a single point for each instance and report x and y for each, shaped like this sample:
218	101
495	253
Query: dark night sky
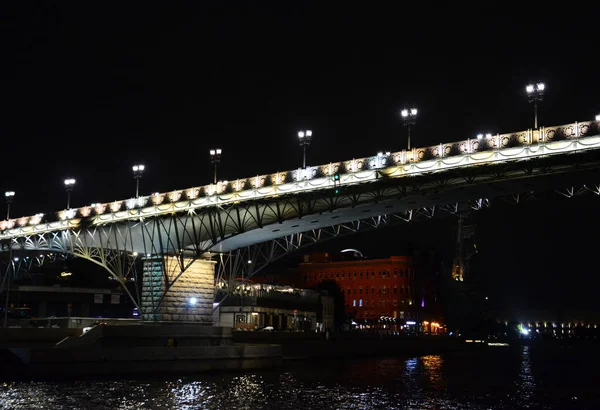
87	92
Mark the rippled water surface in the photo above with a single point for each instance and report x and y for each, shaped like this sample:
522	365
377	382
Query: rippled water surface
492	378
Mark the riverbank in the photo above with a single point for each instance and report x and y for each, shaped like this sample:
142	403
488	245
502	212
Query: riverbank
162	348
350	344
128	350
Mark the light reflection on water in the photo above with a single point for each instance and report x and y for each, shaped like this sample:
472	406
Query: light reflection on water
492	378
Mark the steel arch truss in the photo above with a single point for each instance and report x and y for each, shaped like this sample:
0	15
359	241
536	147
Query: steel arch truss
235	267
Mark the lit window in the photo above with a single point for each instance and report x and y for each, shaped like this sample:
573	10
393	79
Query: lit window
360	302
354	302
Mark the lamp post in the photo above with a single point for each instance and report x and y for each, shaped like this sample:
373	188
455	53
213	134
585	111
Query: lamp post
304	138
215	158
9	198
69	185
535	92
409	118
137	174
9	195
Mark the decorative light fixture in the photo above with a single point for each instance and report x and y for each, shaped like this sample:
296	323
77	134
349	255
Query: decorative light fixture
10	195
409	118
304	139
69	185
535	92
138	170
215	158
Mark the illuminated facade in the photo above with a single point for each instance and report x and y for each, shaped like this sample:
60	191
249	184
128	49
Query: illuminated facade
375	290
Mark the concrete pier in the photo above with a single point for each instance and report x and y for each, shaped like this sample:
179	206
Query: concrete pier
195	284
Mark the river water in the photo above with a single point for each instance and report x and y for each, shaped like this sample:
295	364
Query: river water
489	378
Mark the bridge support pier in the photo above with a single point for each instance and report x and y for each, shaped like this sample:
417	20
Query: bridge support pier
169	298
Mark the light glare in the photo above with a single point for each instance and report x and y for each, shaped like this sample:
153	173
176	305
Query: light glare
529	88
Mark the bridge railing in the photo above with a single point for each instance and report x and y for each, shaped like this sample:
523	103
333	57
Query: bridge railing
129	208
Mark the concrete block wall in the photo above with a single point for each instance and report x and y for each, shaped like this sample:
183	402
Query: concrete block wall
197	281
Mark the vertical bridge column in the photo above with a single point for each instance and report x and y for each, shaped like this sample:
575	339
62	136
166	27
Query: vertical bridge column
196	282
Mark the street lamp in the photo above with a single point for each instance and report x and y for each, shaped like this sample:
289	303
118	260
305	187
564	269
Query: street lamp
69	185
10	195
215	158
535	94
598	117
304	138
137	174
409	118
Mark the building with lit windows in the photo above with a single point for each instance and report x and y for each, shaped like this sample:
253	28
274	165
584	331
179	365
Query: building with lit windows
389	293
377	292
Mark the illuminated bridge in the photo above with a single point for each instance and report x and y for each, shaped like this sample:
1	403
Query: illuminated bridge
245	224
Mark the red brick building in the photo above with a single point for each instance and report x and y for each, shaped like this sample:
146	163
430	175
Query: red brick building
376	291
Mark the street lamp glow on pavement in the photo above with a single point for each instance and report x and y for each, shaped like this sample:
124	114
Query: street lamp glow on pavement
138	170
69	185
409	118
215	158
304	139
535	92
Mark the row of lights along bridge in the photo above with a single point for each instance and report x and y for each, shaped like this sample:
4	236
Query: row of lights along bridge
535	93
